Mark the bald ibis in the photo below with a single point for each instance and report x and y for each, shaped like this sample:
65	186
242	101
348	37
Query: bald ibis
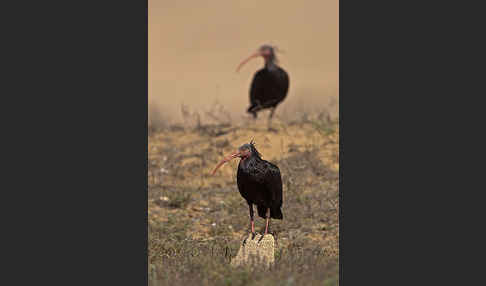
270	84
259	183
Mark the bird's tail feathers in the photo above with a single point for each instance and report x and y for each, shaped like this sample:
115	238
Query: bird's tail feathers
276	213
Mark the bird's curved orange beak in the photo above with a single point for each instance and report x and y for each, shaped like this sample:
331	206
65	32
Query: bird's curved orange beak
226	159
252	56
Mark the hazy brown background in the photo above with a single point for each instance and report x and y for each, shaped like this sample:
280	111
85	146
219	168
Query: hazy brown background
195	46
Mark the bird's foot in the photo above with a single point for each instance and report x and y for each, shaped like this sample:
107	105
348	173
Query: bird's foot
261	237
252	237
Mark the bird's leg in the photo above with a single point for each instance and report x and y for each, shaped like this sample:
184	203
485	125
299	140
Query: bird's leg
267	224
272	110
252	112
271	113
268	221
254	108
252	223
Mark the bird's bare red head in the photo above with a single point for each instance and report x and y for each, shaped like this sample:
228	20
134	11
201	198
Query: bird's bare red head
265	51
243	152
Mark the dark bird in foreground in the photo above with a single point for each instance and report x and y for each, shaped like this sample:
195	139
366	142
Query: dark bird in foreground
259	183
270	84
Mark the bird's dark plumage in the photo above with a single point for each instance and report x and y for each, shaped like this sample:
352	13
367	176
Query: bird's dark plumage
260	183
268	88
270	84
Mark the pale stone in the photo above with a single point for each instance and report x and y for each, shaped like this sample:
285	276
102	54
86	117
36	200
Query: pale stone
254	251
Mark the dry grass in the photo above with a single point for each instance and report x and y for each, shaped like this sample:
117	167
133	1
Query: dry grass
196	221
